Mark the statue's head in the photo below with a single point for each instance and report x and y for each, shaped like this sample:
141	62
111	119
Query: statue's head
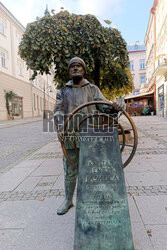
76	67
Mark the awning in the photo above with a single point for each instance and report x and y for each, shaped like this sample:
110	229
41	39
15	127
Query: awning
139	95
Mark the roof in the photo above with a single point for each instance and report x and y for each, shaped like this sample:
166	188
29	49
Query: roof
140	95
136	47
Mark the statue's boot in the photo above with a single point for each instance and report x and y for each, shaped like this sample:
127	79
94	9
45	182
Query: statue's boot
69	191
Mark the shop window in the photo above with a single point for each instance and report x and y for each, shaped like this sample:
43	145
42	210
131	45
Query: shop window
161	97
15	106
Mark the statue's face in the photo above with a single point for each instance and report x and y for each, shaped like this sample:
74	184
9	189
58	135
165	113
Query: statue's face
76	70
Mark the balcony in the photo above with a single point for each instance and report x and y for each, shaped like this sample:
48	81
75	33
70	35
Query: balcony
160	65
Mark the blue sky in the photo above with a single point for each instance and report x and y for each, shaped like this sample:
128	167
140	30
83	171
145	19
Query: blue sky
129	16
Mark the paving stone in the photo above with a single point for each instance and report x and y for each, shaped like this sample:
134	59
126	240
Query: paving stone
139	167
133	210
30	163
59	183
50	155
49	167
16	214
8	237
144	179
29	184
159	166
10	180
152	209
52	147
140	237
158	236
45	183
47	229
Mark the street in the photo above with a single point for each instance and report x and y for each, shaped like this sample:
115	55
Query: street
33	189
17	142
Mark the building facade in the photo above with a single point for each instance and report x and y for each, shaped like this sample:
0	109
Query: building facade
156	54
140	98
31	97
137	56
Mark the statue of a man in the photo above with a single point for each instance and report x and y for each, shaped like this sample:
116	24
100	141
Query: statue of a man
75	93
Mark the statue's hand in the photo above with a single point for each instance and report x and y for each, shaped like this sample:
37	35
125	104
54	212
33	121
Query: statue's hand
117	107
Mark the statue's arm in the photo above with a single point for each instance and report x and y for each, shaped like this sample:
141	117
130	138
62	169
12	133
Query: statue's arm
108	109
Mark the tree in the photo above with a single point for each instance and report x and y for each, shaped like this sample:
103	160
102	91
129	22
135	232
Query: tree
55	39
111	95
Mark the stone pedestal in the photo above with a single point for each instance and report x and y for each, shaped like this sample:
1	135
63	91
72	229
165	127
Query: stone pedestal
102	214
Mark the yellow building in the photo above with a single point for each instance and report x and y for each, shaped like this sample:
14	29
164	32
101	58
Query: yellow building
156	54
31	97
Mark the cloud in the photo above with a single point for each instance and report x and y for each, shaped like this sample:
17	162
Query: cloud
26	11
100	7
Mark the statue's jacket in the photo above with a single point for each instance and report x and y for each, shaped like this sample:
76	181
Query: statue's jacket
72	96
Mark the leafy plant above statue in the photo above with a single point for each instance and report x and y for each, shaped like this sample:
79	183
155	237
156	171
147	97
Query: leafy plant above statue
55	39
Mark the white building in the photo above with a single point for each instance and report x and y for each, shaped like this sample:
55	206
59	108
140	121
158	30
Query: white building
137	56
141	97
31	97
156	54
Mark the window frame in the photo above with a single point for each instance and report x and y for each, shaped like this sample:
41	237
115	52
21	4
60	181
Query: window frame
131	65
142	64
141	81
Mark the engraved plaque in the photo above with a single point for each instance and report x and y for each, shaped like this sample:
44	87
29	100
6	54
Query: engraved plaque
102	215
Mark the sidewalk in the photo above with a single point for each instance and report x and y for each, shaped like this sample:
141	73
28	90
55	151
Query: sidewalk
31	192
10	123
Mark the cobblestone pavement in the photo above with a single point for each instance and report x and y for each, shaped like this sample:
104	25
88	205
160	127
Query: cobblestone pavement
31	192
39	194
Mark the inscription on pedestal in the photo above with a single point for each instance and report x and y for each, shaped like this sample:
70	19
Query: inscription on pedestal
102	215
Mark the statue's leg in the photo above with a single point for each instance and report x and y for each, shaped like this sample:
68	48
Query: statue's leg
70	176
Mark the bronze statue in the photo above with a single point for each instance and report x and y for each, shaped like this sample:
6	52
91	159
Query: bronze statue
75	93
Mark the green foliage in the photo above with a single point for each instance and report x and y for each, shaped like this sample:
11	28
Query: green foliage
9	96
111	94
54	40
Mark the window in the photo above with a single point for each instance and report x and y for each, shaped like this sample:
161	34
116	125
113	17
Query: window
142	79
3	59
18	39
131	65
142	64
2	26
